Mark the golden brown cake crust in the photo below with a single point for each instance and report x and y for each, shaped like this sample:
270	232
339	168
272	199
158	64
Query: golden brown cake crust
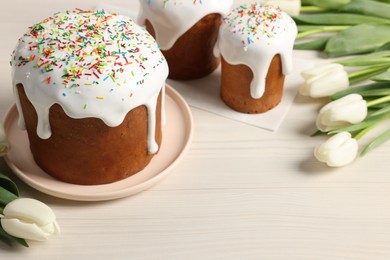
87	151
235	87
192	56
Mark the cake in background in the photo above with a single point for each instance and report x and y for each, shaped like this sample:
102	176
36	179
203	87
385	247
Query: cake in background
186	31
256	43
89	89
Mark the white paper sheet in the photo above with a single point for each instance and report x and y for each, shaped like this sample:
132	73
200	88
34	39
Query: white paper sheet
205	94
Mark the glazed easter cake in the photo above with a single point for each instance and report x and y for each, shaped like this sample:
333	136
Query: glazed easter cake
186	31
89	88
256	43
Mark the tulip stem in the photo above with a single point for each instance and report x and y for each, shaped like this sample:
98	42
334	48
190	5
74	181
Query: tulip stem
311	9
323	29
378	101
363	74
365	130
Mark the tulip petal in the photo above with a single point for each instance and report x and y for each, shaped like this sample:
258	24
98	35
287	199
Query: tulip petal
291	7
328	84
344	155
324	81
315	71
29	210
339	150
20	229
351	109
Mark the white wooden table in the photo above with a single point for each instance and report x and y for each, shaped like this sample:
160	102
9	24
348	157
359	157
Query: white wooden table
240	193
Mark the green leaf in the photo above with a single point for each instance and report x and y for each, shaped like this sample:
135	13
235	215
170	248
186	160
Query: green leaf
8	184
385	76
358	39
317	45
365	61
367	7
384	1
326	19
358	89
376	142
10	239
375	92
384	47
362	125
381	111
6	196
367	73
318	133
329	4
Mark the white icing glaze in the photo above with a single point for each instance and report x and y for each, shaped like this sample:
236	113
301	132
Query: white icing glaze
252	35
93	64
172	18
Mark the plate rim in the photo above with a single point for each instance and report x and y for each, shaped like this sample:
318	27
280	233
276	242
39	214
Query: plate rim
120	192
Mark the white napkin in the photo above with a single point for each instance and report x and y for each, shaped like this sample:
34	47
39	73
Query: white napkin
204	93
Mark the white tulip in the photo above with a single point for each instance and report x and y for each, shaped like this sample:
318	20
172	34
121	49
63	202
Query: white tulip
350	109
29	219
291	7
324	81
339	150
4	145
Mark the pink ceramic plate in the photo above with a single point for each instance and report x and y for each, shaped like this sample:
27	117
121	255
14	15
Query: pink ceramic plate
177	136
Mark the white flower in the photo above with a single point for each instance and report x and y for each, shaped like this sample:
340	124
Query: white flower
29	219
4	145
291	7
350	109
339	150
324	81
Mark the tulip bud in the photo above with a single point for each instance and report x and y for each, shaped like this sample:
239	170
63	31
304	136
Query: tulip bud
350	109
291	7
4	145
339	150
324	81
29	219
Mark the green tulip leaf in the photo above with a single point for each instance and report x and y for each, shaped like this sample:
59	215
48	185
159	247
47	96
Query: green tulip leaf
329	4
8	184
376	142
5	237
6	196
381	111
358	89
362	125
317	45
384	47
365	61
367	7
358	39
375	92
376	58
338	19
368	73
383	77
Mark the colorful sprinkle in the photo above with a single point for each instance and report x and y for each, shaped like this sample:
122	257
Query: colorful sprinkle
255	22
80	45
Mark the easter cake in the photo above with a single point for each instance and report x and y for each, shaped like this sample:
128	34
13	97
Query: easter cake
89	89
256	43
186	31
